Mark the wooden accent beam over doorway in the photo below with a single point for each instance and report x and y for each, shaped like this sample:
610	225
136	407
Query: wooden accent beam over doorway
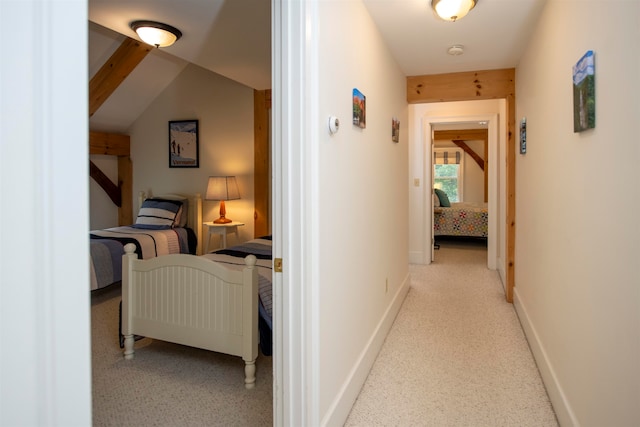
471	86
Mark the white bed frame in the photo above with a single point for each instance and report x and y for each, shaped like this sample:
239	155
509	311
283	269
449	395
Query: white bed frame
195	212
194	301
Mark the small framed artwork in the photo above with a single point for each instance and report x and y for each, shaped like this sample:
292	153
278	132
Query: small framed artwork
183	144
584	93
523	135
395	129
359	109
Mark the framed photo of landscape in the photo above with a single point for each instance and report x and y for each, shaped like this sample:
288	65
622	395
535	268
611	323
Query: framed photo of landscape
359	109
584	93
183	144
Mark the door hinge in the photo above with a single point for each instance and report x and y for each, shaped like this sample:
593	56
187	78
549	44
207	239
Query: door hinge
277	265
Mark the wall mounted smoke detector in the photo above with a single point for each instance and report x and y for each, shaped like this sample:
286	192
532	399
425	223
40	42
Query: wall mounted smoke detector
456	50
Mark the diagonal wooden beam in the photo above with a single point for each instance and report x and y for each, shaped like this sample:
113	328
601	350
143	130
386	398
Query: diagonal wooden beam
114	71
470	152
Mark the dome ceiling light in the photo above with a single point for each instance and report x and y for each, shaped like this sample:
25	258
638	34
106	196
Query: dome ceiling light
452	10
156	33
455	50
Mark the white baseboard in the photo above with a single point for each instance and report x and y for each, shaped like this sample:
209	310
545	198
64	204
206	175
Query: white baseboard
559	400
341	406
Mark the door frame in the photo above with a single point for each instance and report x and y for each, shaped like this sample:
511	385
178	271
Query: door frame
493	204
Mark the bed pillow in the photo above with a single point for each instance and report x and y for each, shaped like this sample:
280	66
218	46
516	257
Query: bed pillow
158	212
444	199
436	201
182	218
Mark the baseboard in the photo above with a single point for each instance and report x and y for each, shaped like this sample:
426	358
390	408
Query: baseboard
561	406
341	406
502	273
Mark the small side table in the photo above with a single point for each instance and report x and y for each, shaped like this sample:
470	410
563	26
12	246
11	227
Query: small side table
222	230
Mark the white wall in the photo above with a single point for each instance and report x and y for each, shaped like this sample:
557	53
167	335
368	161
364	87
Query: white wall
224	110
577	283
420	115
340	211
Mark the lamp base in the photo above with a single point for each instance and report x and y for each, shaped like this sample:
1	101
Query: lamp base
222	220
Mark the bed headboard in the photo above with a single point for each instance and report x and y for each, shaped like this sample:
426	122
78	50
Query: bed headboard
194	220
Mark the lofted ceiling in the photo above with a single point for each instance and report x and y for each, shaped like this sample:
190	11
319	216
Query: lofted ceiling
233	39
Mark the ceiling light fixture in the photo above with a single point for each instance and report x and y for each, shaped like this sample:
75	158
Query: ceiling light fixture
452	10
456	50
156	33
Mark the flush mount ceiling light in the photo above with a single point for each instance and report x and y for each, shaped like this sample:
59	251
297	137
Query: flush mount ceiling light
455	50
156	33
452	10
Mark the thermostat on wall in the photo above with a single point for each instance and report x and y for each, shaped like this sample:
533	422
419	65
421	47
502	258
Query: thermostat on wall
334	124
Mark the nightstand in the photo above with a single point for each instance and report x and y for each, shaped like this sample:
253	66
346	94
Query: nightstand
222	230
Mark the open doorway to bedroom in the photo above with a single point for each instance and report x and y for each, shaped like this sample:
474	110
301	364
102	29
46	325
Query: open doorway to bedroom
460	181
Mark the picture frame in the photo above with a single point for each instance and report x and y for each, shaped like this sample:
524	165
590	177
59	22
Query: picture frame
584	93
359	109
395	129
523	135
184	148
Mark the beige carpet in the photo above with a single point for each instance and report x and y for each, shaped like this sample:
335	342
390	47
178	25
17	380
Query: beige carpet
456	354
168	384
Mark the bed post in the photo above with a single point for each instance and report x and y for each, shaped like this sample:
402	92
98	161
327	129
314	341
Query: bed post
127	275
250	325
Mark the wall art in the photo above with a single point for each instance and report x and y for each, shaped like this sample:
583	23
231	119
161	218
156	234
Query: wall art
183	144
584	93
359	109
395	129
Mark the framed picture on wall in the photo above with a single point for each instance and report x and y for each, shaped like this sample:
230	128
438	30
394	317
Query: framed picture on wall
183	144
395	129
359	109
584	93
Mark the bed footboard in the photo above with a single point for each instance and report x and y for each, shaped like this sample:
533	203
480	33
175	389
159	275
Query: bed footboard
190	300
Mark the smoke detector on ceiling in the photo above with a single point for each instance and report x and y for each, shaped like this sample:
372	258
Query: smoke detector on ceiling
456	50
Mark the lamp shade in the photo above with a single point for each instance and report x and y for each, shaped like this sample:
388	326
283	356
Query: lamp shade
452	10
222	188
156	33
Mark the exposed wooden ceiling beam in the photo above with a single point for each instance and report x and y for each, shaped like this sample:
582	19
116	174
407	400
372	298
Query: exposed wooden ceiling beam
465	86
470	152
461	134
114	71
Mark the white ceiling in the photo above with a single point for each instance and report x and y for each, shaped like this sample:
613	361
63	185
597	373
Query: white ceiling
233	38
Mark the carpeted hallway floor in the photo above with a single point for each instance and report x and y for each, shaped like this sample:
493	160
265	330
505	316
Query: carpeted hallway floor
456	354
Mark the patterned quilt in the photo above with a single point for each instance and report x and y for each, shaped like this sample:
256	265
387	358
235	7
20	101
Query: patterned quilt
107	248
461	219
234	258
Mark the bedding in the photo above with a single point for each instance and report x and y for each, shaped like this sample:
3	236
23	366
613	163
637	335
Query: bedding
107	248
234	258
461	219
165	224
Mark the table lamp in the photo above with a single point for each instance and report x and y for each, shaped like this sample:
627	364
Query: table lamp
222	188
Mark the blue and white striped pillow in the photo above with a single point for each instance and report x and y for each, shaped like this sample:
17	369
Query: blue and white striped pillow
158	213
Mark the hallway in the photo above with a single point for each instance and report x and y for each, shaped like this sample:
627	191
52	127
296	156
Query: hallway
456	354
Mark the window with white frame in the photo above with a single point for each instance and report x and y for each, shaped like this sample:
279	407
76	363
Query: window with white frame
448	166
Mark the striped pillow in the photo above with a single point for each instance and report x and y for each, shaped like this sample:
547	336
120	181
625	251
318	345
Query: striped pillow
158	212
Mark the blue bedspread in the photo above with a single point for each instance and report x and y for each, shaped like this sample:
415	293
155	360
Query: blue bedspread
234	256
107	248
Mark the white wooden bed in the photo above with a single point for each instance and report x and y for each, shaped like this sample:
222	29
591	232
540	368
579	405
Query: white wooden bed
191	300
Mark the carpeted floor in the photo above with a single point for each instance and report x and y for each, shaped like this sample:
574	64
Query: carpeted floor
169	384
456	354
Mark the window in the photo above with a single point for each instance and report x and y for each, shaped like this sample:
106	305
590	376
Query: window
447	172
